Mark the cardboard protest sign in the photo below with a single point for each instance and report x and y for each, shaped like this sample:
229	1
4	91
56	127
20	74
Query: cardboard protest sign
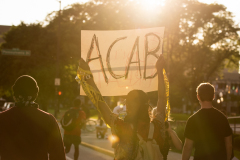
122	60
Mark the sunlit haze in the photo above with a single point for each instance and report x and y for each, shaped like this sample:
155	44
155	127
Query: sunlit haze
12	12
30	11
149	4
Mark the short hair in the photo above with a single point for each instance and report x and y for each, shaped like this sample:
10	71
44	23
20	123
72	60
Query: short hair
25	85
205	91
77	103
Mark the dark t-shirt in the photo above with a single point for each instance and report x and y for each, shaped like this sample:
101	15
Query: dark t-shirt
28	133
86	111
208	128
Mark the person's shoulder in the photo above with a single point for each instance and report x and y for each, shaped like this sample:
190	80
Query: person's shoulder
34	112
217	110
82	112
6	112
42	111
194	115
45	114
117	107
10	111
220	113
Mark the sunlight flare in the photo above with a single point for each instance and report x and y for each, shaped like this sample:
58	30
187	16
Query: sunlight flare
151	4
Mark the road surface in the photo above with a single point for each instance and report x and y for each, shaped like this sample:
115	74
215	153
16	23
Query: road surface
87	154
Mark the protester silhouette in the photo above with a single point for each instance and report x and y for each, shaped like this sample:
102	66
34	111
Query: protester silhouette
137	120
73	136
26	132
208	130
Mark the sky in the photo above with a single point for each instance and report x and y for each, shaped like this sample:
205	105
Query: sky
12	12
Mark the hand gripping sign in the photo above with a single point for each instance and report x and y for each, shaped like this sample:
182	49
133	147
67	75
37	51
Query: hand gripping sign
122	60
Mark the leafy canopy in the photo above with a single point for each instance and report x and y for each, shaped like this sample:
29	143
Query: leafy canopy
200	40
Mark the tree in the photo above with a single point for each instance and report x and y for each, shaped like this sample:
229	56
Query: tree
200	40
40	65
202	45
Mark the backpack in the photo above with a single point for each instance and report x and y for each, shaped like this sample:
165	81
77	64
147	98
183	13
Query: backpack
68	121
148	150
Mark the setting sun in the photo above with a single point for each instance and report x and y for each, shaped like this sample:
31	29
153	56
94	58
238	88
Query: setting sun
149	4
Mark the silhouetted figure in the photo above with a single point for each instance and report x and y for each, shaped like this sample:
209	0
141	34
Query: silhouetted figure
86	110
208	130
26	132
72	134
136	129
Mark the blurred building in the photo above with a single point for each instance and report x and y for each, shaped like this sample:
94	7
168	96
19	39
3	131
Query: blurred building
227	95
3	29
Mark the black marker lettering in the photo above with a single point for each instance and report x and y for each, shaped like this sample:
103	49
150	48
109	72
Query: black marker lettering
89	59
153	53
108	59
136	45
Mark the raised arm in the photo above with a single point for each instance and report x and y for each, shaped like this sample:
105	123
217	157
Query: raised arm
161	104
175	139
91	90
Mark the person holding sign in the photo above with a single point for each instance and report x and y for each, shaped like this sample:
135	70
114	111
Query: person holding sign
136	125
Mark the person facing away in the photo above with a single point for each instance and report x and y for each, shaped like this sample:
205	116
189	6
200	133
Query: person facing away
26	132
86	110
207	130
137	120
73	137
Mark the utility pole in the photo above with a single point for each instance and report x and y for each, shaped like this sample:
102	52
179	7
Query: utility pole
57	79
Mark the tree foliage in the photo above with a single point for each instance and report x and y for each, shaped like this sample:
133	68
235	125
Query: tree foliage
200	40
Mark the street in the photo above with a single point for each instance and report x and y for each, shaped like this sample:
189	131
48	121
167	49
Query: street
90	139
87	62
86	154
104	144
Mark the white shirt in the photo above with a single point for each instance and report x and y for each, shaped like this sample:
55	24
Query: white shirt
120	111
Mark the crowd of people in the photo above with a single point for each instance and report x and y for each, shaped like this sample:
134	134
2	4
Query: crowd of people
28	133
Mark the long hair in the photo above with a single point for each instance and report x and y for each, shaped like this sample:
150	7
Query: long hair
137	103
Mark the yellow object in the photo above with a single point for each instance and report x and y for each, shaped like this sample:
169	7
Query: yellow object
93	94
166	83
